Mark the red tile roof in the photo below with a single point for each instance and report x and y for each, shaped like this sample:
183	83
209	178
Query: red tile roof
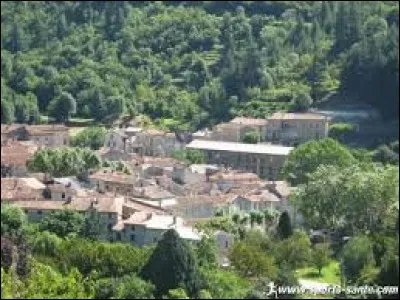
17	153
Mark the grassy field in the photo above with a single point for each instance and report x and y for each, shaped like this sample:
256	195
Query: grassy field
329	274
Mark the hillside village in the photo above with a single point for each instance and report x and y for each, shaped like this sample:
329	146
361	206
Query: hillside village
199	150
160	192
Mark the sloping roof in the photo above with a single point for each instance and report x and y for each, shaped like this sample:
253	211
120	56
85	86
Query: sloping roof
283	188
234	176
162	222
17	153
260	196
155	192
105	204
297	116
249	121
21	188
112	176
239	147
204	199
73	183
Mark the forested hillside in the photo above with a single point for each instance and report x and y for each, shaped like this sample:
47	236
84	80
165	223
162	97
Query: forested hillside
192	64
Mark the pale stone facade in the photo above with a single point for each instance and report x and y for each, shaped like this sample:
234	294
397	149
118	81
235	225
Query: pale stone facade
143	142
41	135
280	128
296	128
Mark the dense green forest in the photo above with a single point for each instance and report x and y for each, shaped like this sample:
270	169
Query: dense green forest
192	64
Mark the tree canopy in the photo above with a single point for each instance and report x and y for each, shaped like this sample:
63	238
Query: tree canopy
193	64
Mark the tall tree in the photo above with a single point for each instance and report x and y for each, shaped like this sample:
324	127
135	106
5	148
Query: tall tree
62	107
321	256
175	257
306	158
357	255
284	229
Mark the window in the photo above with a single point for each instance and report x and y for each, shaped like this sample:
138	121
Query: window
133	228
317	135
133	237
109	227
63	195
155	240
316	125
226	244
110	215
39	212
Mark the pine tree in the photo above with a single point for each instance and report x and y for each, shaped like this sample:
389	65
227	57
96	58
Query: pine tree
326	17
16	38
284	229
62	26
341	27
172	265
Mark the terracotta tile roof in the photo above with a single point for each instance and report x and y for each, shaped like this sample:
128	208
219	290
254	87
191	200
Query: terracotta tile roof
297	116
249	121
260	196
155	192
140	205
21	188
112	176
105	204
204	199
281	187
234	176
17	153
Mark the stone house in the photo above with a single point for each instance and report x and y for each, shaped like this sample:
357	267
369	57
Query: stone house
258	200
296	128
281	128
144	228
149	142
113	182
229	180
199	206
262	159
21	189
41	135
234	131
15	156
120	218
